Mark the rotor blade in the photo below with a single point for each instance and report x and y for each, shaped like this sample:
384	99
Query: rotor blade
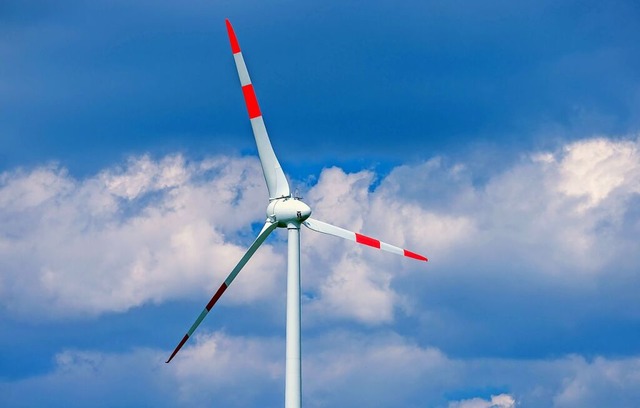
329	229
273	174
266	230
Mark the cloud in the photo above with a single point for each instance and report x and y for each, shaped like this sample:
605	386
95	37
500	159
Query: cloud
560	220
601	382
595	169
341	369
154	230
149	231
345	284
548	257
92	378
555	211
232	371
356	369
496	401
385	369
349	279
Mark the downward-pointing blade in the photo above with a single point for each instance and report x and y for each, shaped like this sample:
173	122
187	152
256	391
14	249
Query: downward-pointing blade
329	229
266	230
274	176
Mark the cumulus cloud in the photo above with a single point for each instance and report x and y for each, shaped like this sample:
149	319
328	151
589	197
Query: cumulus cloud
594	169
354	282
564	218
567	205
154	230
496	401
148	231
231	370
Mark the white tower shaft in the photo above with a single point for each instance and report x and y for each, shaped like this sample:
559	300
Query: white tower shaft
293	375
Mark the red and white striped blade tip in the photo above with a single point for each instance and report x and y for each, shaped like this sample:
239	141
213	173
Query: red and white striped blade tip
325	228
375	243
413	255
235	47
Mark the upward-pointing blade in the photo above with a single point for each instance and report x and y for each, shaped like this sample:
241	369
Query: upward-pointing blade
329	229
273	174
266	230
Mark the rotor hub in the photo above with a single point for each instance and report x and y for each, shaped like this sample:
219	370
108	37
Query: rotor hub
289	210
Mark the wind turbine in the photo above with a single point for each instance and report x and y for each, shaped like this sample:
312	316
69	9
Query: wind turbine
283	211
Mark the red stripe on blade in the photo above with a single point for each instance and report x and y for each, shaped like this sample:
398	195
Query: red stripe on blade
235	47
215	297
184	339
415	256
251	101
365	240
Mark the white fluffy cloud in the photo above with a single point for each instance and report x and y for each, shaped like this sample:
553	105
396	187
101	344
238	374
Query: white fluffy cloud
147	232
233	371
554	211
354	282
496	401
153	230
595	169
566	216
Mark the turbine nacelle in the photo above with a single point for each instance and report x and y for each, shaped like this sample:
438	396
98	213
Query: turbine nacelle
288	210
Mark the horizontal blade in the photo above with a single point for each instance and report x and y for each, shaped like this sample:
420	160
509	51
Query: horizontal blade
329	229
266	230
274	176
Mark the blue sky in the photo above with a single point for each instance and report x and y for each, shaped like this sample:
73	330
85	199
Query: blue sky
498	138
